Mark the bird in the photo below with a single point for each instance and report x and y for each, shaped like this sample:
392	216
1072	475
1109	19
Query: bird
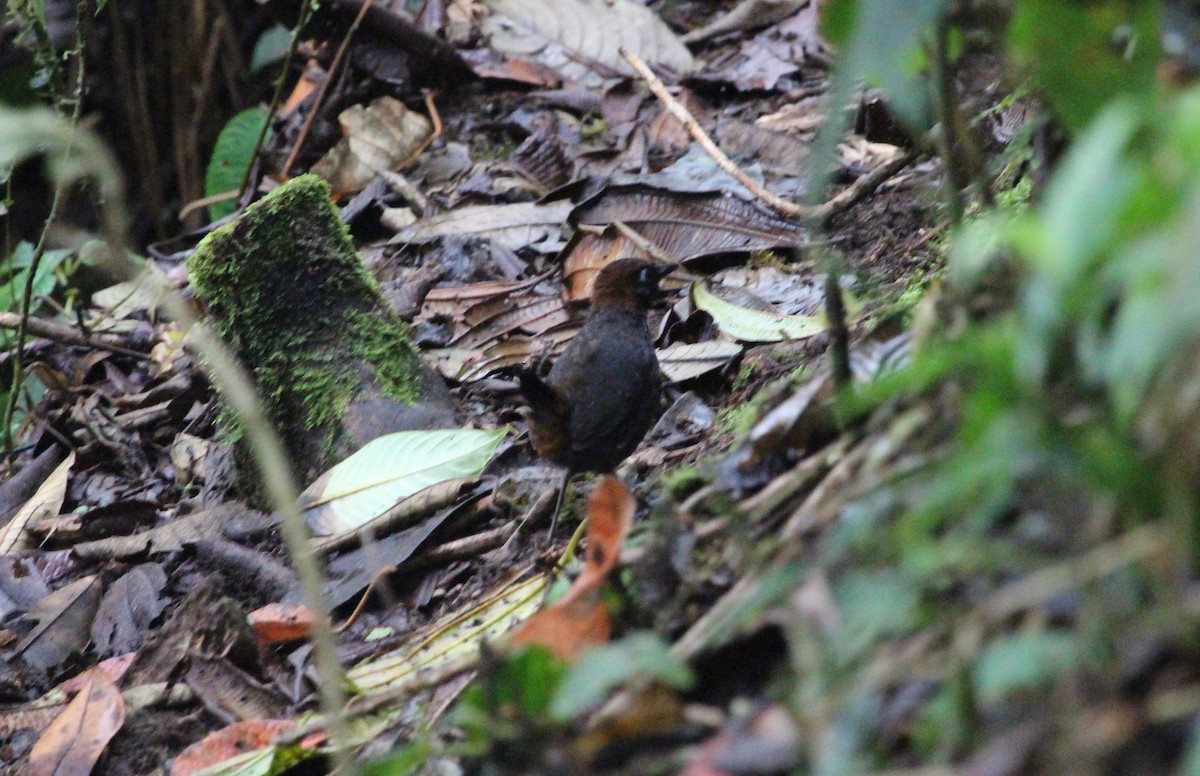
602	394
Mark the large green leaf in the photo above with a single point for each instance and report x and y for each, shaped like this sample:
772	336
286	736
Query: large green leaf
390	469
231	157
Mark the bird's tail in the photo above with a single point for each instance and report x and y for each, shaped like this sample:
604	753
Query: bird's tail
547	415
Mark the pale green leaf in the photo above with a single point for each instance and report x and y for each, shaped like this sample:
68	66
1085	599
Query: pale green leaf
456	637
1023	661
390	469
755	325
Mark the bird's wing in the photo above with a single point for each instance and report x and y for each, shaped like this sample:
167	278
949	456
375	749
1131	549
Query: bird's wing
619	409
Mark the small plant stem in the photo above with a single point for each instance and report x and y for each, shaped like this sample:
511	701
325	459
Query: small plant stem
301	22
957	179
835	313
18	364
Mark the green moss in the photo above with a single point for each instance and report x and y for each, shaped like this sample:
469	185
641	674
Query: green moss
384	344
744	376
682	482
285	288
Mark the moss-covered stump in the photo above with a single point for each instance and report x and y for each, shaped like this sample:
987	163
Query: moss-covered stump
284	287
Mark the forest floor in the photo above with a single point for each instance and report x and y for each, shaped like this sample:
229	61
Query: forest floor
787	597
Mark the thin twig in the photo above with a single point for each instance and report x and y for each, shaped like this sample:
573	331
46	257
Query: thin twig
436	119
324	88
305	12
39	251
852	194
839	332
68	335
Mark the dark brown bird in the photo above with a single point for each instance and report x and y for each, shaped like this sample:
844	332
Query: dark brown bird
602	394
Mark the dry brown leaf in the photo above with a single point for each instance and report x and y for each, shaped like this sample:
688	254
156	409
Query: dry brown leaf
229	742
587	253
281	623
47	501
378	137
688	226
76	739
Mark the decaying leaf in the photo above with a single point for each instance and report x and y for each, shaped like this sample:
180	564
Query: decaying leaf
581	39
521	225
76	739
378	137
129	606
687	226
169	537
686	362
144	292
243	739
281	623
64	619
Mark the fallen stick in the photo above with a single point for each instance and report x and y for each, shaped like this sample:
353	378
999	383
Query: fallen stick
826	210
69	335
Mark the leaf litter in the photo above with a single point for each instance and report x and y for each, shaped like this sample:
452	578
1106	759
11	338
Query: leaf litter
511	295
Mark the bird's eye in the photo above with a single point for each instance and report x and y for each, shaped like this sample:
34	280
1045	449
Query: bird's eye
644	275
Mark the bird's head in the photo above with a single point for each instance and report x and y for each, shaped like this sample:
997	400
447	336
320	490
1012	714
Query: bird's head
629	284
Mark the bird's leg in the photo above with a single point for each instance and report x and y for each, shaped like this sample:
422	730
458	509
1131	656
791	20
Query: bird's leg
562	491
536	511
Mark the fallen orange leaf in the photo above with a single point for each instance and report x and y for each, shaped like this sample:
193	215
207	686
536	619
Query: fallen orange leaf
281	623
77	737
579	619
229	742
